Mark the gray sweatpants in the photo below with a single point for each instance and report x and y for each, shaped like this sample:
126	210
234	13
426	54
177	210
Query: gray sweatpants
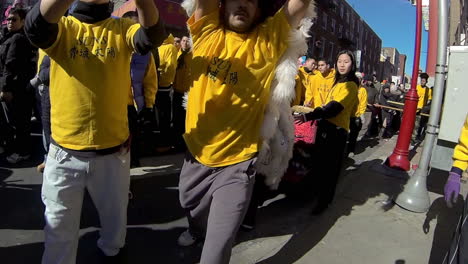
107	179
216	200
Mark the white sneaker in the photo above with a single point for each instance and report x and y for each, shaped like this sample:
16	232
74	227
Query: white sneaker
15	158
186	239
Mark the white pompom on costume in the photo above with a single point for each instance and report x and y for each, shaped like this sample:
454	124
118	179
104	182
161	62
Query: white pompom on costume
277	131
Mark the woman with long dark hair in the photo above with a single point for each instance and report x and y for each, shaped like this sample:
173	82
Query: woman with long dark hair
333	129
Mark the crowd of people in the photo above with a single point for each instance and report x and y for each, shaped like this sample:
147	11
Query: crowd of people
102	86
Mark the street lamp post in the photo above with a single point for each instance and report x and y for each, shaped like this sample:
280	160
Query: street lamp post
399	158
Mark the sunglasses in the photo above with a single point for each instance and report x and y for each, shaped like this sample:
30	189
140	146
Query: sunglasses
12	19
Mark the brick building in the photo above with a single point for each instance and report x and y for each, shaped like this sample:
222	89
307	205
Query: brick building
402	67
338	27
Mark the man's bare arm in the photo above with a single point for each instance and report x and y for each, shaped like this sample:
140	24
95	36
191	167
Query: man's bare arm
295	11
53	10
204	7
148	13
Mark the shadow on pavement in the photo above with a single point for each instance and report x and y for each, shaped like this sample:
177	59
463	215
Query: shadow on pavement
308	231
447	219
37	155
144	245
366	143
155	201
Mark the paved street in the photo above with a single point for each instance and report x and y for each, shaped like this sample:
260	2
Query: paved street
360	227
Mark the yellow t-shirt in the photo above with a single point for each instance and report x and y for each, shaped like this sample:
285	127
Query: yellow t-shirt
319	88
150	85
167	62
183	79
362	102
40	58
425	94
232	74
303	81
460	154
90	79
347	95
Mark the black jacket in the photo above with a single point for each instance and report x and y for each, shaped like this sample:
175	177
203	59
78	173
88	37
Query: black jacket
385	97
16	62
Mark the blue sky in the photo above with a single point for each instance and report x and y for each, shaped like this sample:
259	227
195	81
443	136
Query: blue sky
394	21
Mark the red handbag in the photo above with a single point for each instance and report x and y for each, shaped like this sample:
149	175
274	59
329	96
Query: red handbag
305	132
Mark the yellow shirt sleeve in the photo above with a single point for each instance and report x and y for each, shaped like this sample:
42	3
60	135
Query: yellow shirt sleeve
130	28
299	90
167	64
40	59
362	96
150	83
62	24
460	155
203	27
309	93
276	31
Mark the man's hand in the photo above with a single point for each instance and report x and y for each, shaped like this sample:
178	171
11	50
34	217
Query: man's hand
300	119
204	7
148	13
452	189
6	97
295	11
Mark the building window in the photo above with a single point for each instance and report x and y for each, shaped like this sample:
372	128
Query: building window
324	21
322	48
311	50
340	31
342	11
332	52
333	25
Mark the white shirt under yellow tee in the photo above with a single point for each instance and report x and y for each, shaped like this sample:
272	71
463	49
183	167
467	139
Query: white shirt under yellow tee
89	84
231	74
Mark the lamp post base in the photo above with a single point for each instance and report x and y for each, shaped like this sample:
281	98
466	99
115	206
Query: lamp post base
398	161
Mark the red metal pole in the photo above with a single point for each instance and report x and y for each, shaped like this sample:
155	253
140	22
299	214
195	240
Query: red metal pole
399	158
433	38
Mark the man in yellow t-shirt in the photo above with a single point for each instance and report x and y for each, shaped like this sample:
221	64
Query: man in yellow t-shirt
234	58
167	70
182	84
90	55
358	118
424	104
303	80
320	84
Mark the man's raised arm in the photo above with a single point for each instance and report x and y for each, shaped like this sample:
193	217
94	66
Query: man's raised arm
53	10
148	13
152	33
41	23
204	7
295	11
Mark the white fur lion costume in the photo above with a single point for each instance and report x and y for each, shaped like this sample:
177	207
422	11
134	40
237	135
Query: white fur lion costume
277	131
